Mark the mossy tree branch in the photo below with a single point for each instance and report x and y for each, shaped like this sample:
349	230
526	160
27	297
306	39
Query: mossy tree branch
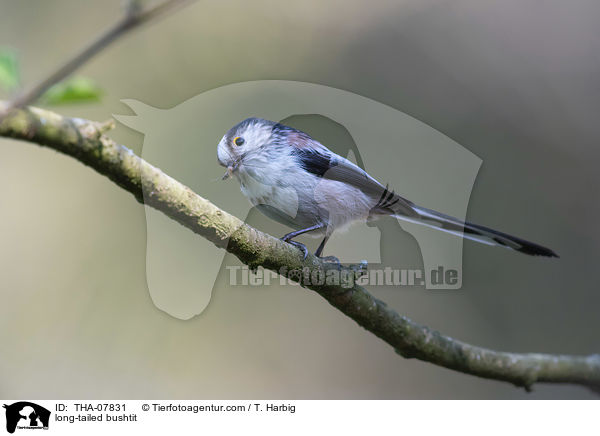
85	141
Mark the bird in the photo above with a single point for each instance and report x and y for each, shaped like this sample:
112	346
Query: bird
295	180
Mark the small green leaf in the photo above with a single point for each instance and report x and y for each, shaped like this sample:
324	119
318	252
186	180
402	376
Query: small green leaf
9	69
73	90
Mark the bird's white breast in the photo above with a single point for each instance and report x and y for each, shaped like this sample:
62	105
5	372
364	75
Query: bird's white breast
262	187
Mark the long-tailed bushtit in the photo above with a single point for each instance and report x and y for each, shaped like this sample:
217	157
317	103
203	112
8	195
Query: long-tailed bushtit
295	180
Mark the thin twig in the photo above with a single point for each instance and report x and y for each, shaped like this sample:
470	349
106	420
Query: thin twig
84	140
133	18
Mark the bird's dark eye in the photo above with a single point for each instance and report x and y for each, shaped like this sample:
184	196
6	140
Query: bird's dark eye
238	140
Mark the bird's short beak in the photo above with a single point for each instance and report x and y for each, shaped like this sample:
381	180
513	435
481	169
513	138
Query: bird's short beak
223	156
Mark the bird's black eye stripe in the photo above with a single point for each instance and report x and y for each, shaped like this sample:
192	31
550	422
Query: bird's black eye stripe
238	140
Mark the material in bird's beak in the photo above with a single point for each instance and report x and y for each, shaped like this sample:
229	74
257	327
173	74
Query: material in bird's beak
228	173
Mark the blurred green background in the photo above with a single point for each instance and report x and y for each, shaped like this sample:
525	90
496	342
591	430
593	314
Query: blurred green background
515	82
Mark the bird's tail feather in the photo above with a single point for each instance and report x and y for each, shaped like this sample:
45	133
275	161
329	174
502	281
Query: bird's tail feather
474	232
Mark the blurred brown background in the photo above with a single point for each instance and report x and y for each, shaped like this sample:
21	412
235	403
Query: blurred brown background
515	82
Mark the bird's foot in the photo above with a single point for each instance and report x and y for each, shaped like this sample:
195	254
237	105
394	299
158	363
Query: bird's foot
299	245
330	259
359	268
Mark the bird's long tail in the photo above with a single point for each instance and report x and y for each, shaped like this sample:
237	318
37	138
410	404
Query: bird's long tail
474	232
